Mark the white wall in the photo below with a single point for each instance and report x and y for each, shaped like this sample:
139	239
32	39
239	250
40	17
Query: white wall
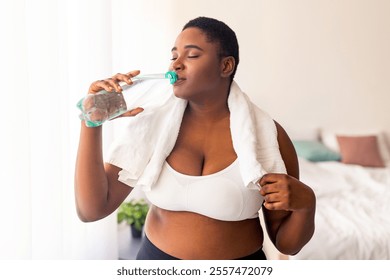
326	63
310	64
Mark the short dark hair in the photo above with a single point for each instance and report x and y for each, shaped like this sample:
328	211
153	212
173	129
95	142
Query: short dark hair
219	32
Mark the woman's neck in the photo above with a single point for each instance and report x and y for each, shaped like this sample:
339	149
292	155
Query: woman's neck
210	111
213	108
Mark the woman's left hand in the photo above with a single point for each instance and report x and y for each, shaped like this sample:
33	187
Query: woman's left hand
284	192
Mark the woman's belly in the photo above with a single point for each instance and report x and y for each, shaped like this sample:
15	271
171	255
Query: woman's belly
187	235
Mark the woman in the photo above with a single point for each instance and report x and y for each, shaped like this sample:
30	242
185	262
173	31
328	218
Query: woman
213	223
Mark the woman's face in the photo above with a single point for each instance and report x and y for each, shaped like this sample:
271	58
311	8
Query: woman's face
197	64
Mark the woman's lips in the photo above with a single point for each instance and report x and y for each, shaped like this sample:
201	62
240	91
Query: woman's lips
179	80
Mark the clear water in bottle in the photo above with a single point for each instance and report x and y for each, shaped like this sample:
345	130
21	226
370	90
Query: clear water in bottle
147	91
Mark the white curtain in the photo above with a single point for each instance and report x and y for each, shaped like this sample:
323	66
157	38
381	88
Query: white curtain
51	51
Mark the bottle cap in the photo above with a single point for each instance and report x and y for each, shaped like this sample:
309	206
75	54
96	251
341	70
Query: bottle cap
172	76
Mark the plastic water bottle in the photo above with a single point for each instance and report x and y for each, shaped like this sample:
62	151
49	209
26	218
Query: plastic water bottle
102	106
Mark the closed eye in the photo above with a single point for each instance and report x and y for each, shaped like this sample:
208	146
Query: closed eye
190	56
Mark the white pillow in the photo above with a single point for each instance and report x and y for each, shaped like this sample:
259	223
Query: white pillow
329	139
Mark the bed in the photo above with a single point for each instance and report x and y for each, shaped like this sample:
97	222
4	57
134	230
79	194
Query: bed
353	196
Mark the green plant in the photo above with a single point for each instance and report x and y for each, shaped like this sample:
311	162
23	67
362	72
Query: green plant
133	212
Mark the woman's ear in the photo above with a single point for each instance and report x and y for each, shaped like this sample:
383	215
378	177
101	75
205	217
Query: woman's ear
227	66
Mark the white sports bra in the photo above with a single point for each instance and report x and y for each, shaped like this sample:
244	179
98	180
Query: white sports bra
221	196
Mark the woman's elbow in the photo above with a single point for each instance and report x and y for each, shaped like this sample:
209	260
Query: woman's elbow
88	215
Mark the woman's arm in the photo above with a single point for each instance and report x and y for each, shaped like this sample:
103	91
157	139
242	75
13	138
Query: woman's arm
97	189
289	206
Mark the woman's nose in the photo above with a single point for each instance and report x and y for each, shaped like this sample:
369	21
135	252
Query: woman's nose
177	65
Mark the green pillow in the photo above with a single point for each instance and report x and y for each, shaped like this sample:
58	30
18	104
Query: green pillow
315	151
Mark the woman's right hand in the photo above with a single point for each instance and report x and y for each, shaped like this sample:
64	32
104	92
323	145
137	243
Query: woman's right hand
112	85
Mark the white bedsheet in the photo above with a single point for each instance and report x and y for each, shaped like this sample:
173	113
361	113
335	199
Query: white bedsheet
353	211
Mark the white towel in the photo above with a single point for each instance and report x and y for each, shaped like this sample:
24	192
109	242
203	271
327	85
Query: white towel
150	137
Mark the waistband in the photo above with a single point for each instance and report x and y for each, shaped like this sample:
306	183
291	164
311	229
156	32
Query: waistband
148	251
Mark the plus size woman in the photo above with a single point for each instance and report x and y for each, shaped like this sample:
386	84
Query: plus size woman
204	201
